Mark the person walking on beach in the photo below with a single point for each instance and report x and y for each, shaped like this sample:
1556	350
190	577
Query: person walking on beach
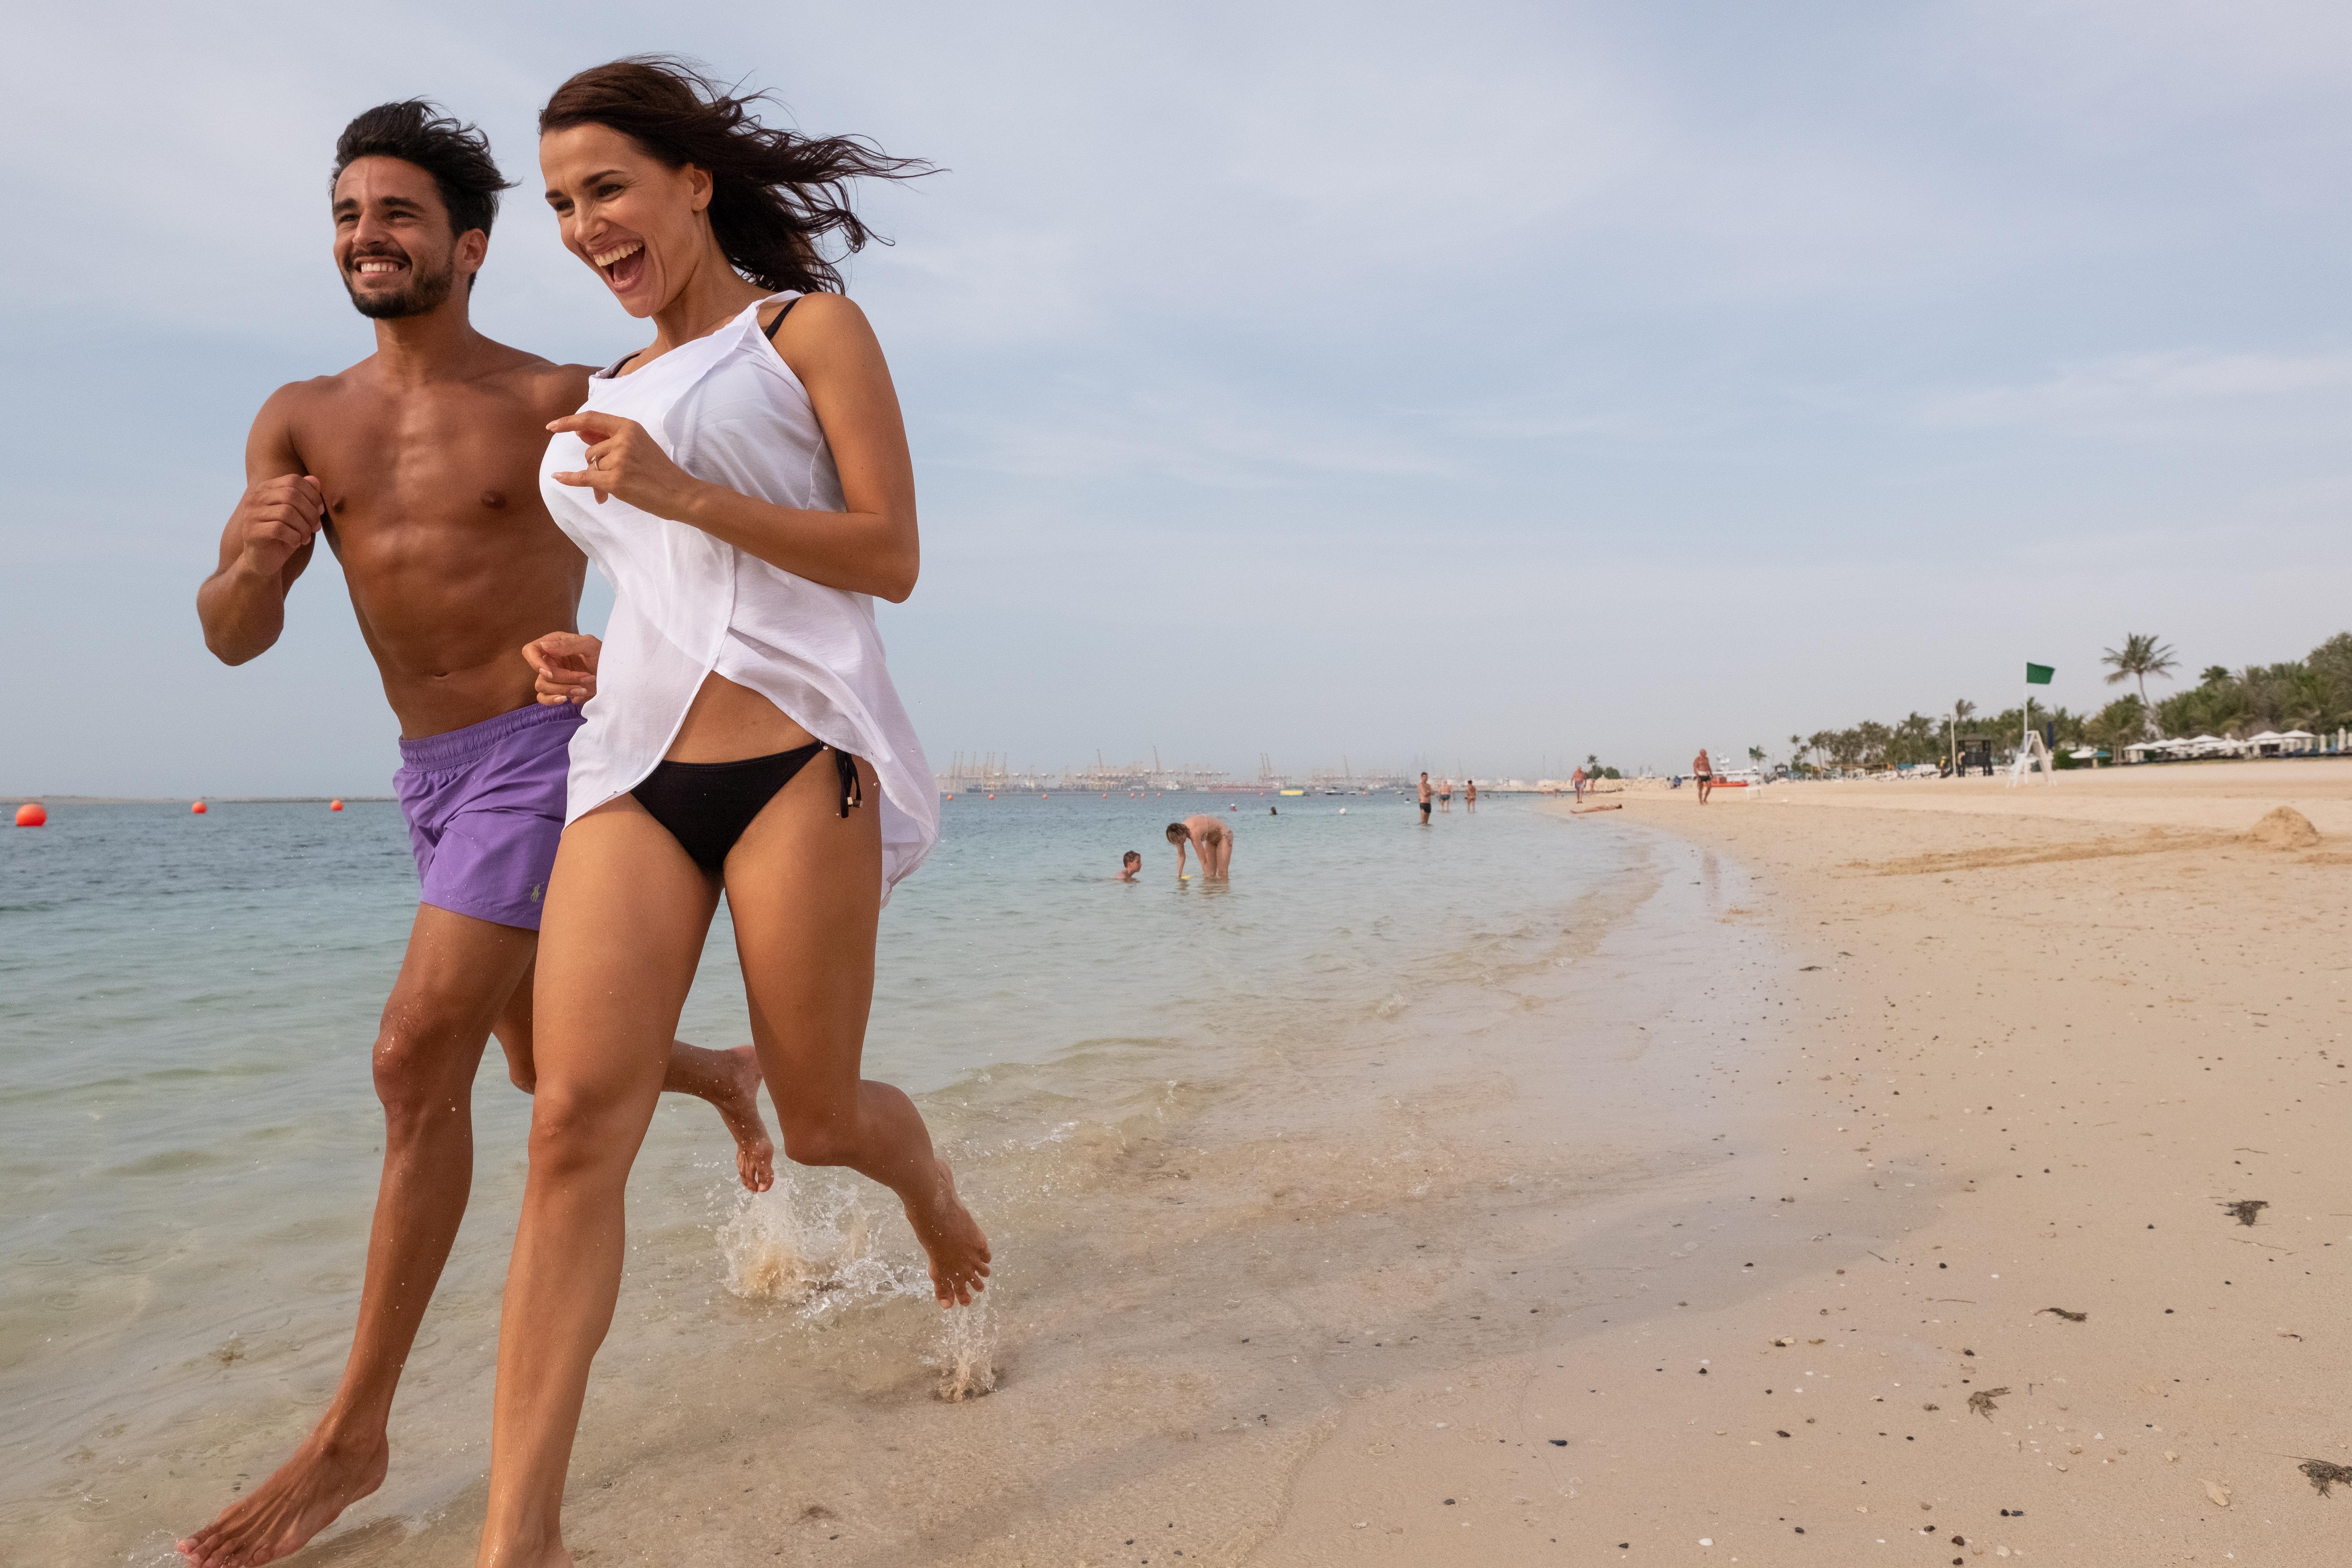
1704	771
1208	838
417	466
1577	779
1426	793
1470	796
742	735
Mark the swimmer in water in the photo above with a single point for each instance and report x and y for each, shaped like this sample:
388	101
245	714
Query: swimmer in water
1129	864
1211	839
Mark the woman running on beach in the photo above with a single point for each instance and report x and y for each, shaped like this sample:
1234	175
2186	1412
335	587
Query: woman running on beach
744	482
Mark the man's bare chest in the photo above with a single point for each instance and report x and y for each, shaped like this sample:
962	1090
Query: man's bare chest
400	469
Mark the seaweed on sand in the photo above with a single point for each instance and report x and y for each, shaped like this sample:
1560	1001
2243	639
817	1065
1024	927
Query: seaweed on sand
2070	1316
1981	1401
2244	1210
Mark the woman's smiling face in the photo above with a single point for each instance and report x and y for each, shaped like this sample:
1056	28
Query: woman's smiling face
636	220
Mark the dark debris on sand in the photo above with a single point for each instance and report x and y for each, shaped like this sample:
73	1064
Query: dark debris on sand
2070	1316
1981	1401
2244	1210
2323	1475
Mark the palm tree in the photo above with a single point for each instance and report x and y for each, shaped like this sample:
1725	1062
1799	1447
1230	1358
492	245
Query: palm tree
2141	656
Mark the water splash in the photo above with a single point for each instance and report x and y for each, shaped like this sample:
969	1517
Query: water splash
967	1354
811	1245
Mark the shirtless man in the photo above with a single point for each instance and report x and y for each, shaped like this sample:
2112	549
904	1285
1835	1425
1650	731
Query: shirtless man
1704	771
1425	793
1470	796
1209	839
420	465
1445	797
1576	780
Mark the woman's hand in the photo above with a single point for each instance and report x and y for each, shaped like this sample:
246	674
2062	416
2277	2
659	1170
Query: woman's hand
566	663
623	461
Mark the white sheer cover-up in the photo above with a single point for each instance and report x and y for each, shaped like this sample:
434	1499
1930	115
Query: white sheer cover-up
726	408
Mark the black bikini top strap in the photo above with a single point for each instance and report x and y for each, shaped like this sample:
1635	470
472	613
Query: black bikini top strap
853	789
770	333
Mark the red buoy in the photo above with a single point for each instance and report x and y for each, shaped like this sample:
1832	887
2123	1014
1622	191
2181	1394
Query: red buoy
334	806
198	808
32	814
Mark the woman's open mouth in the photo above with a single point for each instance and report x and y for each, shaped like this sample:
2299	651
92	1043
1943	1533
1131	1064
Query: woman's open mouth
622	264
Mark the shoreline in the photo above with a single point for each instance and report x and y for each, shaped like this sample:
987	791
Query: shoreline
2075	1022
1479	1250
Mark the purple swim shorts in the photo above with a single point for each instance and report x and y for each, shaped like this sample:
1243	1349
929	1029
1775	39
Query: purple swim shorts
485	806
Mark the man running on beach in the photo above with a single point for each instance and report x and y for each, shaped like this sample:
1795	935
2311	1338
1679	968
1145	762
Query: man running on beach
420	465
1704	771
1425	793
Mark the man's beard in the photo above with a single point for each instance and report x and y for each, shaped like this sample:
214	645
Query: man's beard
425	292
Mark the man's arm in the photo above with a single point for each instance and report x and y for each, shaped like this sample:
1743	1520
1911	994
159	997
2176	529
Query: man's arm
267	544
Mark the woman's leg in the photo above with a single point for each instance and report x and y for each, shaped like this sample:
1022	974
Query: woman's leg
627	915
804	887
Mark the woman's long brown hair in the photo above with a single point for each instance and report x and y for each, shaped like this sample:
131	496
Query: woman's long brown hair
777	196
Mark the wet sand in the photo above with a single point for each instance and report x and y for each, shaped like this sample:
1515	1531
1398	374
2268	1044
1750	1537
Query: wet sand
1991	1299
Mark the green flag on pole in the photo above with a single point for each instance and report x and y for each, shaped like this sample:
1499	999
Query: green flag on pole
2039	674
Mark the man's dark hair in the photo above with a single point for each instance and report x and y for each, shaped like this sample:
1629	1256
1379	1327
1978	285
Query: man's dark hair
1130	855
455	154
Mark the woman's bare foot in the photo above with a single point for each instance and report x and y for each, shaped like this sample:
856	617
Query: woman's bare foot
953	1241
729	1080
300	1499
739	1106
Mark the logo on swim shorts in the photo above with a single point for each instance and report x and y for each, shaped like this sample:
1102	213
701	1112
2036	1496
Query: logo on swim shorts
536	888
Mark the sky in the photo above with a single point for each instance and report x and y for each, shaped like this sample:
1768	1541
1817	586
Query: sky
1470	387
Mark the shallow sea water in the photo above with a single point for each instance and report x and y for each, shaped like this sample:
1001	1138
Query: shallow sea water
189	1143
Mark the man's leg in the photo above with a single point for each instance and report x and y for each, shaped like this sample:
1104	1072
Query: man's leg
454	984
729	1080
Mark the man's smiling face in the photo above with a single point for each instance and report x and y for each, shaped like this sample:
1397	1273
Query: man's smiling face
393	241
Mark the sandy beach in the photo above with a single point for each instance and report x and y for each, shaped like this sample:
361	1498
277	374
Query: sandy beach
1986	1293
1837	1165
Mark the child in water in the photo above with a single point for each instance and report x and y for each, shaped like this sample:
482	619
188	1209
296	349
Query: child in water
1129	864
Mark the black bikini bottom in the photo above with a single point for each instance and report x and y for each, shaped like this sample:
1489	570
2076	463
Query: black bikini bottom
706	805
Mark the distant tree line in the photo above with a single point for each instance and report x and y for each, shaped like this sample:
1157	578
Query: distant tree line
2312	693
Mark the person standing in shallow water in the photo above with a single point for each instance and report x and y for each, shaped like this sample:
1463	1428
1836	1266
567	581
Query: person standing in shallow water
417	466
741	734
1211	839
1424	792
1470	796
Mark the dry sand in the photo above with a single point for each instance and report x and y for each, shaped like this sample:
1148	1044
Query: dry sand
2039	1040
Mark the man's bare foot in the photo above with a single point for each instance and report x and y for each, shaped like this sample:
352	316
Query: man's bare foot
952	1239
300	1499
739	1106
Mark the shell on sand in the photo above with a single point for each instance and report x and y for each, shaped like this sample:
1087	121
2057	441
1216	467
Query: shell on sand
2284	828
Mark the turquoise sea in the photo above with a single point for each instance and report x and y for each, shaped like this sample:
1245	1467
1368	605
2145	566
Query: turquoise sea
189	1141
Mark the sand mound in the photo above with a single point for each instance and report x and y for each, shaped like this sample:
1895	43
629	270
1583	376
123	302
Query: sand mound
2285	829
